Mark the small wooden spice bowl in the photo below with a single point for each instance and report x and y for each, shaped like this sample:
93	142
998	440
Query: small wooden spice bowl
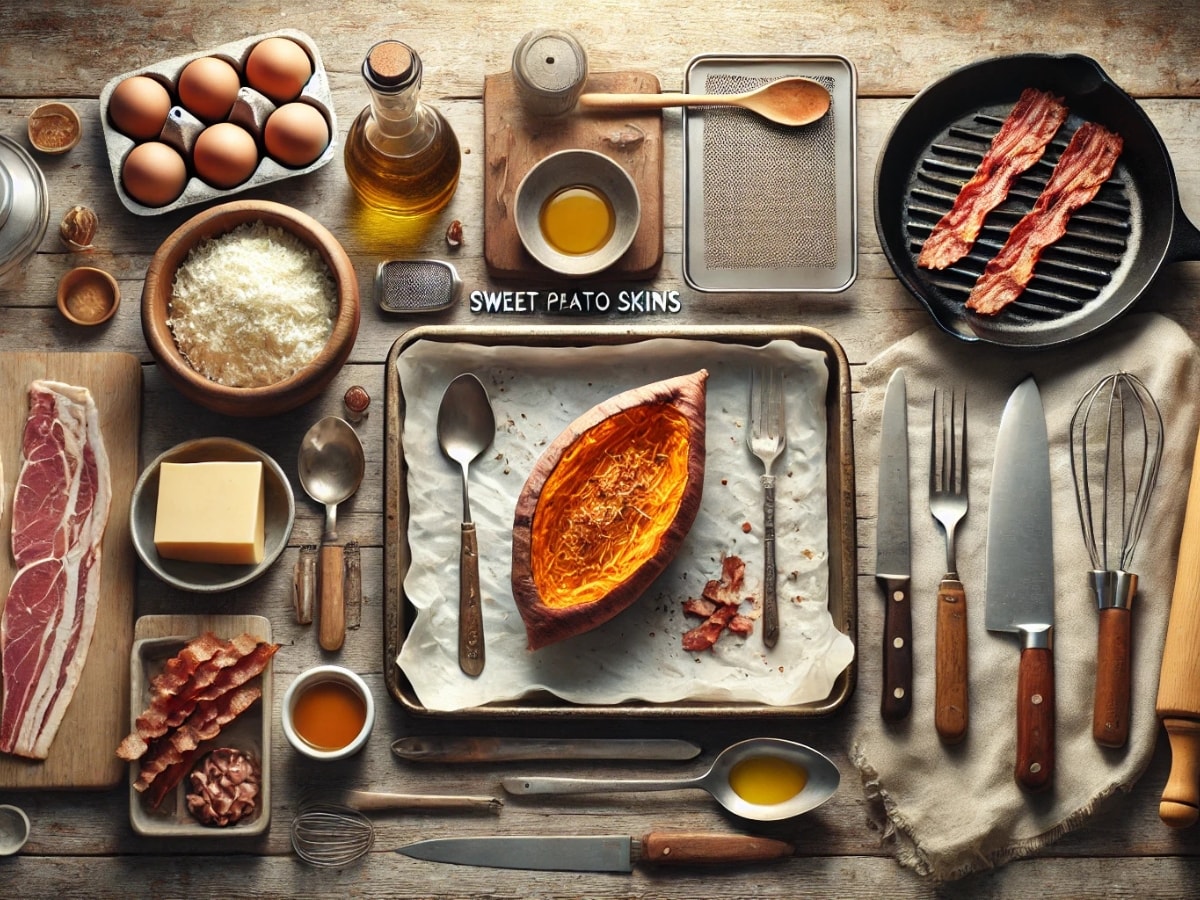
54	128
88	296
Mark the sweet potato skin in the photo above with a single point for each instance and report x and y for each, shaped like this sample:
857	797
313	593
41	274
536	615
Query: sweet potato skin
546	625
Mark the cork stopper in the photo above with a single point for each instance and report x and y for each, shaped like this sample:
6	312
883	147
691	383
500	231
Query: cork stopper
391	65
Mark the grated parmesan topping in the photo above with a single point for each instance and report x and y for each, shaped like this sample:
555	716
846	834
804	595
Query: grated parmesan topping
253	306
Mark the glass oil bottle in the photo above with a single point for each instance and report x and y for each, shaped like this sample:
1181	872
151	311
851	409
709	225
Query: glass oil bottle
402	157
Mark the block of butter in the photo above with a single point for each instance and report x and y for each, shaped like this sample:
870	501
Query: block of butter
210	512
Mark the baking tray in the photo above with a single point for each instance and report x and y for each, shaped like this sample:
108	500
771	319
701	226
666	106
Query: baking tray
158	638
768	207
842	539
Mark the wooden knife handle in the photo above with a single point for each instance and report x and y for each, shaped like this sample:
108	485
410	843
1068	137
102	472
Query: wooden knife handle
689	849
1180	804
470	609
1110	712
1035	719
950	712
897	650
331	628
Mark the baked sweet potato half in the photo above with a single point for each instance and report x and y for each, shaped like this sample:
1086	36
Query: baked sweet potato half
607	506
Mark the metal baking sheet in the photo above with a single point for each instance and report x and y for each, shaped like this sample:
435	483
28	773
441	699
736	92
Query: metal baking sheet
768	207
399	613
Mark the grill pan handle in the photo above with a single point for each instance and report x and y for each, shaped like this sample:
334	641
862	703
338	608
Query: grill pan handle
1185	239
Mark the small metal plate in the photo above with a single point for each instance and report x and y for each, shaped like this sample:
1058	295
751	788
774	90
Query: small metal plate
768	207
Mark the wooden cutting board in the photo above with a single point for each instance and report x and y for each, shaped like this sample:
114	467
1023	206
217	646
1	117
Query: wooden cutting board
82	753
514	142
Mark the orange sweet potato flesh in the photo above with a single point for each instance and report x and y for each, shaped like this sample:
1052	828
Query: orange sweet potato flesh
607	506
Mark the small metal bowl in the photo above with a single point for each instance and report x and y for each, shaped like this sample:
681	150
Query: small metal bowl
211	578
582	168
88	296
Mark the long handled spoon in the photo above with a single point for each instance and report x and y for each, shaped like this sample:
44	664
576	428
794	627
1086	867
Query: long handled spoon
787	101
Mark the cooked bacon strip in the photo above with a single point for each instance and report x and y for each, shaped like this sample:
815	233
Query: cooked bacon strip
1083	168
719	601
704	635
1019	144
700	607
60	511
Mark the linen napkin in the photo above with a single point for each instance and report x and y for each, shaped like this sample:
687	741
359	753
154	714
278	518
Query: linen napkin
948	811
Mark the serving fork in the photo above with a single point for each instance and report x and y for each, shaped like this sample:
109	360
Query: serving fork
948	466
767	438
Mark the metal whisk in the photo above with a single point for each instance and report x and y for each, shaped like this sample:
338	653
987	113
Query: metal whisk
1116	446
331	836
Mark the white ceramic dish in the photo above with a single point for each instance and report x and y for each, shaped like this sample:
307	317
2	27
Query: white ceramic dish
208	578
577	168
316	675
14	829
250	732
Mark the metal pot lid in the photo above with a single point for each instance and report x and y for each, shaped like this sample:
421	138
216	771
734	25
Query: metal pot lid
24	205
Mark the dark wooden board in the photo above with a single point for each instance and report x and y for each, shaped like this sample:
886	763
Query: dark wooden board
515	141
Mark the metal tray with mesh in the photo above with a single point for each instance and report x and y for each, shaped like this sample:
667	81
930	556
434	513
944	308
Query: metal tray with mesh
768	207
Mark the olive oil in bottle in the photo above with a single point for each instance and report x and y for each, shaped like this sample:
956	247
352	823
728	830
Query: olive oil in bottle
402	157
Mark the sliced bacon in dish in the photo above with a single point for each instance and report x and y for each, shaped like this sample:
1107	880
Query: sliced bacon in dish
60	511
1082	170
1019	144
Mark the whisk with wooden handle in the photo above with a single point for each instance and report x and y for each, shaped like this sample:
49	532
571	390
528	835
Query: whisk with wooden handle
1116	446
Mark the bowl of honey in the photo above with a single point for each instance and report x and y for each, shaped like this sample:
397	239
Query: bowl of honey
577	212
328	713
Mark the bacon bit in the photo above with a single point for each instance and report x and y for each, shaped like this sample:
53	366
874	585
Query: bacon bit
719	601
741	625
746	528
701	607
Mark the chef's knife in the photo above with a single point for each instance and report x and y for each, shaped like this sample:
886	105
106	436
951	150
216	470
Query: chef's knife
601	853
481	749
1020	574
892	566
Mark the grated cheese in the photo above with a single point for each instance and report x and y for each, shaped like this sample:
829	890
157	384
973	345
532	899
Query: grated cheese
253	306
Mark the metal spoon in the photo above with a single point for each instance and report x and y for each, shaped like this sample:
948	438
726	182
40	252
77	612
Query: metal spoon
465	428
331	469
787	101
821	781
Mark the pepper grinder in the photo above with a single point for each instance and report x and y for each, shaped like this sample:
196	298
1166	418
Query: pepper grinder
549	70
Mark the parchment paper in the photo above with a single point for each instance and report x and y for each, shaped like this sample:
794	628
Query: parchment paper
538	391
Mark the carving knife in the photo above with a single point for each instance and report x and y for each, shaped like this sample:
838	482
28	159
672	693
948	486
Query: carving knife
1020	574
600	853
893	568
484	749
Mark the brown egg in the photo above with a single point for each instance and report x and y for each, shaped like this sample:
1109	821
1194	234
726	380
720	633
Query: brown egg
225	155
279	68
208	86
296	134
154	174
138	107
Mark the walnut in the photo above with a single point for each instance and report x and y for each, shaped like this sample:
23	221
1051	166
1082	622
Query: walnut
454	234
78	228
224	787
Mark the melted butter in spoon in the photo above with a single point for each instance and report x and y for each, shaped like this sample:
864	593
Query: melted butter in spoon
767	780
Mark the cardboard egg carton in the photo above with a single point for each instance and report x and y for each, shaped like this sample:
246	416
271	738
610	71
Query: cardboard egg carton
250	111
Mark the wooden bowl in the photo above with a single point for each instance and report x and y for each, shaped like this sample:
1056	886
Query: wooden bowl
268	400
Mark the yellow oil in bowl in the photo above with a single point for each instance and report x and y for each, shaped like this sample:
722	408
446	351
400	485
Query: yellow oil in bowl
577	220
767	780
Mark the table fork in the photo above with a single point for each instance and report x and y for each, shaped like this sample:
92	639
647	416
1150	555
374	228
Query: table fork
948	504
767	438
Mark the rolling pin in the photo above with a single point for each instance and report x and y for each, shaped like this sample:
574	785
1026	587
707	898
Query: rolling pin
1178	703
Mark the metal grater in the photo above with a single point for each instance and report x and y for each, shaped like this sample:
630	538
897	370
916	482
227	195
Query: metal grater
416	285
768	207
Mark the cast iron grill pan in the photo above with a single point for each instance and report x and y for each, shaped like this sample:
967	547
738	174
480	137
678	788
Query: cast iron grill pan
1114	246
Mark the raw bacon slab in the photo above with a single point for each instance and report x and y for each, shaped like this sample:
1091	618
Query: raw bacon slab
1082	170
1019	144
60	510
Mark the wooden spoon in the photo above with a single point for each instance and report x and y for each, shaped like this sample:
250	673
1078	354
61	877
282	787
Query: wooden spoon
788	101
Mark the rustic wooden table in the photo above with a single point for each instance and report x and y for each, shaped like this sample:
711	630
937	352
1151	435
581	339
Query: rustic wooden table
82	844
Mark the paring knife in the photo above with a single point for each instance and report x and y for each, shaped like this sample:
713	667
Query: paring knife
1020	574
480	749
893	568
601	853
